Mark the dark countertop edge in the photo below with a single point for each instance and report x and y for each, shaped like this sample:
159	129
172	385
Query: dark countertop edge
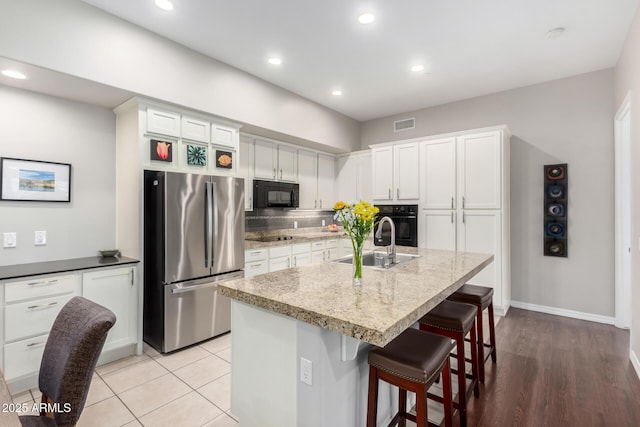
17	271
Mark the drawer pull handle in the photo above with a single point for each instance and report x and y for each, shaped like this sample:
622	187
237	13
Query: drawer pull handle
255	266
51	304
43	283
33	344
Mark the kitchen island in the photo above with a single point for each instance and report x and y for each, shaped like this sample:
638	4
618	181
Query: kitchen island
315	315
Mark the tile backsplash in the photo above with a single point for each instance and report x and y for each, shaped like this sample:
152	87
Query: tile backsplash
276	219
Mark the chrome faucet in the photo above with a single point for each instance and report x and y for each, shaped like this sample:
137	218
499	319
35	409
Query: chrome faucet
391	249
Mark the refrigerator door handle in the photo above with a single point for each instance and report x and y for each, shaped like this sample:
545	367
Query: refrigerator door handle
214	231
182	290
208	222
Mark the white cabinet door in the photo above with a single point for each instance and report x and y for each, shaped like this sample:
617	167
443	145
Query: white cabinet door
439	174
265	159
365	178
382	173
438	230
287	163
326	179
279	263
318	257
196	130
308	179
254	268
301	259
246	171
115	289
480	231
407	171
480	169
347	178
163	122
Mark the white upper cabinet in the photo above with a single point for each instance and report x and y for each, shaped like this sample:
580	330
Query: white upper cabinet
246	171
382	164
353	177
480	170
196	130
439	171
265	155
275	161
396	172
326	178
287	163
308	179
163	122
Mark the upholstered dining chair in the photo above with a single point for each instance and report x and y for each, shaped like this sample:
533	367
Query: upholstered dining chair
70	356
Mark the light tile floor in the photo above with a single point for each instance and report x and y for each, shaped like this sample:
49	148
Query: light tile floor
191	387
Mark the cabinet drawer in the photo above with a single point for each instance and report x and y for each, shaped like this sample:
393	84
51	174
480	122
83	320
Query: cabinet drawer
281	263
40	286
254	268
333	243
255	255
318	246
23	357
300	248
33	317
280	251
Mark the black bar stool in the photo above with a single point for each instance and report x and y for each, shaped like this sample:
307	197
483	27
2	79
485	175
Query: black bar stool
412	361
482	298
455	320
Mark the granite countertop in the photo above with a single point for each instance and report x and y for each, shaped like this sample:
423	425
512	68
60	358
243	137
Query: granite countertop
387	303
61	266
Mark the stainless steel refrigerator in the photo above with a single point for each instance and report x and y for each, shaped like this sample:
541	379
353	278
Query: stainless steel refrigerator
193	239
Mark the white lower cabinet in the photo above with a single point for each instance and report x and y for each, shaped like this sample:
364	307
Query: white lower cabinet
116	290
301	254
256	261
279	258
29	310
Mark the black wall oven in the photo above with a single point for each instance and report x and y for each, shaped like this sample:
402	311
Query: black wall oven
405	219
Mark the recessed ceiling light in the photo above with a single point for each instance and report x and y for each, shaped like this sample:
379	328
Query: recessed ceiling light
555	32
164	4
275	61
336	93
14	74
366	18
417	68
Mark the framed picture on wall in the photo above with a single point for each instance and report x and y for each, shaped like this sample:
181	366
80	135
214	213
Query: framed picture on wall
34	180
224	159
161	151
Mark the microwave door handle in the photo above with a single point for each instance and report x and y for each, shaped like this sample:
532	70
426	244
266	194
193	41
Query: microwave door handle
207	224
293	198
214	230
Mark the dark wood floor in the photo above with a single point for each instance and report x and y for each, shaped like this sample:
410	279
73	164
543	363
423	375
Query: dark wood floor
555	371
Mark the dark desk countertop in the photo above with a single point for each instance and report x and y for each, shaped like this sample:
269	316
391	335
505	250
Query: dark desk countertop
61	266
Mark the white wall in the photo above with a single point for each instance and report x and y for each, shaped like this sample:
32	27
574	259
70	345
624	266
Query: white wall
564	121
40	127
75	38
627	78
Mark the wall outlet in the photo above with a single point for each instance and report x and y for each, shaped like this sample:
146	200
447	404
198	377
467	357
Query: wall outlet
323	222
10	240
295	224
306	371
40	238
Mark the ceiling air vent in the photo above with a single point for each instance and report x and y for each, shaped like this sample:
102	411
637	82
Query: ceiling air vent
405	124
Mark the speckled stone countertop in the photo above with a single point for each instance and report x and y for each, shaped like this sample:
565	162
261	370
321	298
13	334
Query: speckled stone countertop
387	303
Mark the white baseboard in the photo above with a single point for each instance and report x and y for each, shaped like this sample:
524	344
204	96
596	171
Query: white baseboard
635	362
565	313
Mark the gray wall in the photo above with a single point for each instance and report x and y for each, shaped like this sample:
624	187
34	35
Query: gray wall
40	127
75	38
564	121
627	78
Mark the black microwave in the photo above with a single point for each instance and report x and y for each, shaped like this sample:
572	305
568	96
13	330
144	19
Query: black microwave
271	194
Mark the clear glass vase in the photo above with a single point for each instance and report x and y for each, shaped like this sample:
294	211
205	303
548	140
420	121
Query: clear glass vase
357	262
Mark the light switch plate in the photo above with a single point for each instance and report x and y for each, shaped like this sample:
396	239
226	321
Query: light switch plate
306	371
10	240
40	238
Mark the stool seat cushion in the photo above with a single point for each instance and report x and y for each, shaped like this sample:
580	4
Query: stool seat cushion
452	316
414	355
473	294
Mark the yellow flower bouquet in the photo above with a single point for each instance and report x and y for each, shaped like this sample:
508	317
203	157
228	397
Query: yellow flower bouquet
358	221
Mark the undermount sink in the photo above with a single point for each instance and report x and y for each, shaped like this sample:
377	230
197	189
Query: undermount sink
378	259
